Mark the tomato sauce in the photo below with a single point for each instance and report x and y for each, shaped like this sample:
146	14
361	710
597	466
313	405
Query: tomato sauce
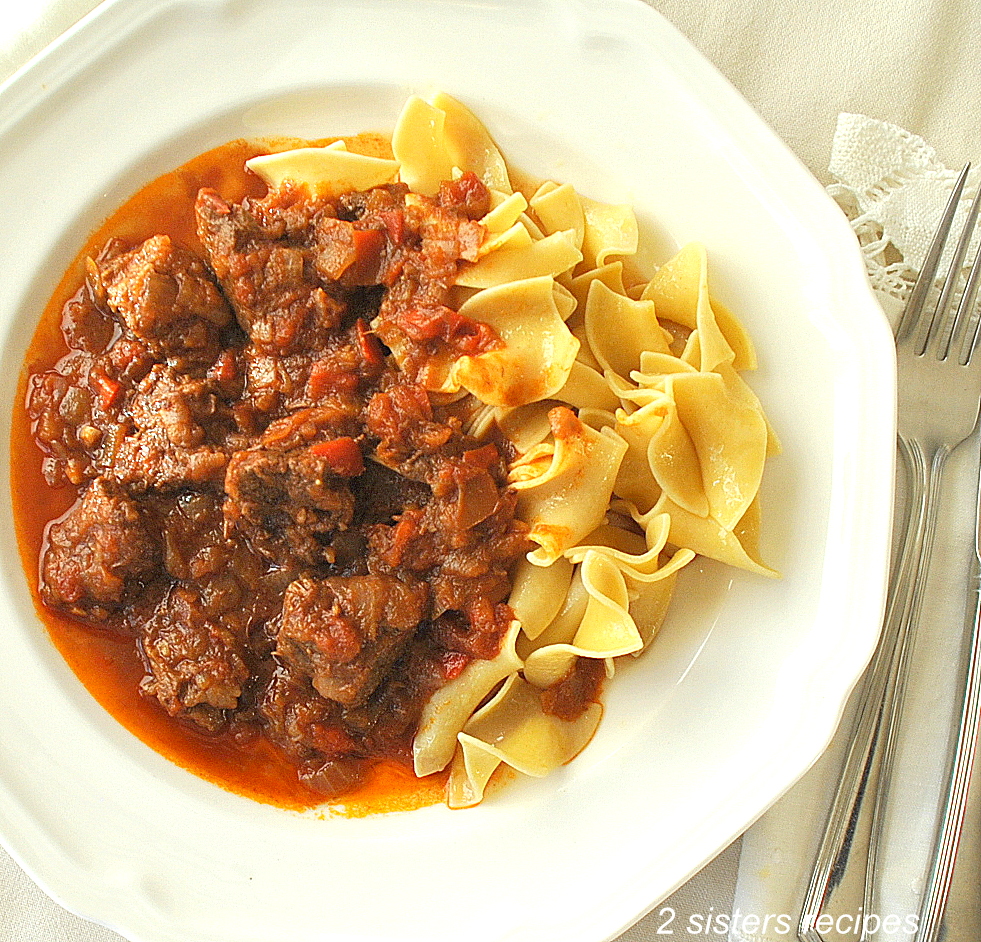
106	663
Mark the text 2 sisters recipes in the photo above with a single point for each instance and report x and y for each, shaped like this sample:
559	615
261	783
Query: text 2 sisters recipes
358	458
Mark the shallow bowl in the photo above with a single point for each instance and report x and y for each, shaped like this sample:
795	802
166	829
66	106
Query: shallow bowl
743	688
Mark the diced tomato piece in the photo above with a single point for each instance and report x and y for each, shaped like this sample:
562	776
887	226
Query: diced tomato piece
402	535
452	664
108	390
369	245
325	378
467	194
394	220
464	335
370	346
342	455
487	456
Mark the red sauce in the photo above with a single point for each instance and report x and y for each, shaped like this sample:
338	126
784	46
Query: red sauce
107	665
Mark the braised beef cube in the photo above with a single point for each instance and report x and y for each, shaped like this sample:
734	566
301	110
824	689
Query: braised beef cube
300	720
178	426
382	495
149	461
195	665
166	296
347	631
361	204
187	410
194	543
98	553
287	504
268	276
84	323
307	426
401	418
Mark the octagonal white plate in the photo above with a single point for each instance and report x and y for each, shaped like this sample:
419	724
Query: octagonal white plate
744	687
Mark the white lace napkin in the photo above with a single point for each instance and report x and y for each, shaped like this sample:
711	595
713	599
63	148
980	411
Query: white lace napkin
893	187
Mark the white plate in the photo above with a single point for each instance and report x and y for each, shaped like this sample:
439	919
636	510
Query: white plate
744	687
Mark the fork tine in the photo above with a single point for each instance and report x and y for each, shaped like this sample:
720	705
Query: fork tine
950	282
928	271
966	308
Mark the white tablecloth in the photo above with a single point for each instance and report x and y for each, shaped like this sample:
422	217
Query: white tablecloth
910	62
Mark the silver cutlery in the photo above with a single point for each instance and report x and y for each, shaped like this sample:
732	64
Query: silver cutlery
939	393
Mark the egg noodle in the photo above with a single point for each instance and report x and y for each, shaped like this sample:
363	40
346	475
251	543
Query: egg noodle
639	445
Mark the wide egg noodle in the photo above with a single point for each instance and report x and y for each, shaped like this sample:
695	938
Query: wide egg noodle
611	274
450	707
610	230
515	238
738	547
519	259
627	580
325	171
649	567
619	329
654	366
587	388
679	290
635	479
740	391
469	145
538	349
662	443
563	627
538	593
527	426
419	145
512	728
730	438
503	217
559	208
607	630
569	498
643	558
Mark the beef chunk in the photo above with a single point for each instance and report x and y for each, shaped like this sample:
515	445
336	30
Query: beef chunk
300	719
188	411
195	665
291	493
149	461
97	554
311	728
267	271
178	427
288	504
166	296
346	632
401	418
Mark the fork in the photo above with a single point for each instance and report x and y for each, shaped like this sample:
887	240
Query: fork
939	383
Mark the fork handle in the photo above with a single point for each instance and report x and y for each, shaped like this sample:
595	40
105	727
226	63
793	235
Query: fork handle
958	779
874	732
926	478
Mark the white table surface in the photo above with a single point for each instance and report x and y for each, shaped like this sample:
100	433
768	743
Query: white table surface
800	63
